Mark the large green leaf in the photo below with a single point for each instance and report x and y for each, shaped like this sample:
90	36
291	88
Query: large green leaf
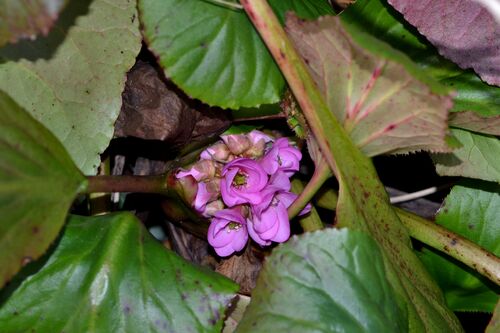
327	281
377	18
38	183
72	79
472	211
213	53
108	274
478	157
377	94
22	19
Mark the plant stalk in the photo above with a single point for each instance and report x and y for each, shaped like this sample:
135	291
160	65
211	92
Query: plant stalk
439	238
296	74
456	246
311	221
321	174
138	184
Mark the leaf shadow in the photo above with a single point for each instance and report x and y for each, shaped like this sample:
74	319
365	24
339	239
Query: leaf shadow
447	159
44	47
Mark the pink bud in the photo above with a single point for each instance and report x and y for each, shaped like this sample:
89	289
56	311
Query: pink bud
218	152
212	208
186	187
203	169
207	191
256	137
237	143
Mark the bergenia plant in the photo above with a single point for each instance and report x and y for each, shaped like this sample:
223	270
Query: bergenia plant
249	166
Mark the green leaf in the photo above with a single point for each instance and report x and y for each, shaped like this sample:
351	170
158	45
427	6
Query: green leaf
213	53
375	92
478	157
38	183
72	80
470	210
377	18
108	274
326	281
21	19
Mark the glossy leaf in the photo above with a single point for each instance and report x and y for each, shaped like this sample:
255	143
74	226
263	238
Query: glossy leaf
107	274
463	31
377	18
213	53
327	281
479	157
72	80
38	183
378	97
22	19
470	210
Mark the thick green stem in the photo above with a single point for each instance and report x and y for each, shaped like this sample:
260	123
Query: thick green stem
321	174
295	71
138	184
434	235
472	255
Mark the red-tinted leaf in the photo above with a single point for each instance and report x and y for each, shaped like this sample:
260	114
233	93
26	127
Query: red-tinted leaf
26	19
462	31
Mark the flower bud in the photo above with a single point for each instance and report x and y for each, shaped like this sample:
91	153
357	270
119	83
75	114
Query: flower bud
257	136
217	152
207	191
185	187
203	169
237	143
213	207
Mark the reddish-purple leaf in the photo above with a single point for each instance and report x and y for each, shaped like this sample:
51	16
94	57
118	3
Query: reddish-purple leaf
462	31
475	122
383	107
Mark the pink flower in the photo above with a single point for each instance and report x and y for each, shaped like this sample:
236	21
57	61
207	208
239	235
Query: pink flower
272	223
282	156
227	232
279	182
243	180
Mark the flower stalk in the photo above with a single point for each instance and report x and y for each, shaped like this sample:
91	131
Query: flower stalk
137	184
439	238
321	174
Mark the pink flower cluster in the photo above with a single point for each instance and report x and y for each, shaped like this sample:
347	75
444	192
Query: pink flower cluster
244	187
